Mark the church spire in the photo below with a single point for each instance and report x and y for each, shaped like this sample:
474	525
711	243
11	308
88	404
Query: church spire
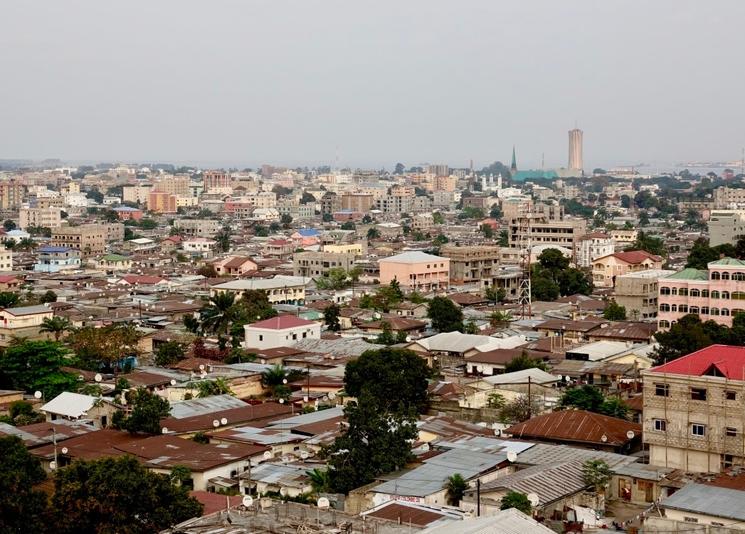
513	165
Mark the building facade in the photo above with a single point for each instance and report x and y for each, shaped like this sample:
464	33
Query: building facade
693	410
716	294
416	270
726	227
575	150
591	246
317	264
56	259
606	269
471	264
638	293
50	217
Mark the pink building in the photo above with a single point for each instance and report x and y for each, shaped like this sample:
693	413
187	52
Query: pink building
717	293
416	270
125	213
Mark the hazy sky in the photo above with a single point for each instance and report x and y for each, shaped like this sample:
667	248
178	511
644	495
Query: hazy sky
249	82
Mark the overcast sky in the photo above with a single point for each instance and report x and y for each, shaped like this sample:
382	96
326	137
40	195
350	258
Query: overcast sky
247	82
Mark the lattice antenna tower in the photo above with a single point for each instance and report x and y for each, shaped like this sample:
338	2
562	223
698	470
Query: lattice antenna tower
525	299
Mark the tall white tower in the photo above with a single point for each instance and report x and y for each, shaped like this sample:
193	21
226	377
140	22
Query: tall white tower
575	150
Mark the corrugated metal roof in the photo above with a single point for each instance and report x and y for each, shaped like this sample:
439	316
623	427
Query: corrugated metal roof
549	483
545	453
510	521
708	500
307	418
215	403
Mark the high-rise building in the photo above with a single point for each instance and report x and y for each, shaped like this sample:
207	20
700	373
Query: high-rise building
215	180
575	150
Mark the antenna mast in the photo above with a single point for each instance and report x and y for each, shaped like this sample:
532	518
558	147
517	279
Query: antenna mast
525	298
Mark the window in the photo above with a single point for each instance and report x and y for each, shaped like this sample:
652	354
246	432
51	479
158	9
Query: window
698	429
704	310
698	394
662	390
664	307
730	432
727	460
660	424
705	293
674	291
725	295
714	311
730	395
694	309
664	291
683	292
715	294
695	293
690	519
664	324
715	276
738	276
674	308
725	312
725	276
261	337
683	308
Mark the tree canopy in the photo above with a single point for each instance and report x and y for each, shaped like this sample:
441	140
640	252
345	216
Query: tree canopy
517	500
147	411
614	312
553	276
36	366
445	315
394	378
22	508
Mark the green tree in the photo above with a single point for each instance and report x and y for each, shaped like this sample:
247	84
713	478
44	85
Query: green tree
438	218
524	361
275	379
219	313
500	318
208	271
118	495
36	366
169	353
495	294
209	388
504	238
374	442
331	317
22	507
653	245
222	239
614	407
517	500
687	335
349	225
48	296
396	379
445	315
585	397
496	401
55	325
335	278
614	312
286	219
319	479
9	225
8	299
456	488
544	289
106	346
147	411
487	230
495	212
373	233
598	474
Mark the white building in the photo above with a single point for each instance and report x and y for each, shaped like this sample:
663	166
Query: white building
198	245
592	246
281	331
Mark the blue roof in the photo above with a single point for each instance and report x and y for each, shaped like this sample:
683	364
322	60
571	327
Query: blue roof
54	249
308	232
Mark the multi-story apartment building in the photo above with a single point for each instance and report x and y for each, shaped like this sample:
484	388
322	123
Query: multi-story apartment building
162	202
694	410
606	269
263	199
591	246
296	210
136	194
12	194
197	227
279	290
516	207
543	231
88	238
23	322
624	237
438	170
316	264
726	227
395	203
174	185
357	202
6	260
728	198
215	180
638	292
416	270
716	294
471	264
40	217
56	259
444	183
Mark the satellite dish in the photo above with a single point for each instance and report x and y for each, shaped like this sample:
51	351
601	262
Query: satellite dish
534	500
267	455
305	398
281	401
98	377
247	501
81	378
323	502
37	394
304	455
497	432
173	381
64	450
215	423
283	491
224	421
164	430
201	367
52	465
332	395
630	434
511	456
603	438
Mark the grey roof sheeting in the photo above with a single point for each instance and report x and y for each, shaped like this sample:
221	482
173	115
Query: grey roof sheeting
484	444
545	453
215	403
431	477
306	418
336	347
550	483
708	500
510	521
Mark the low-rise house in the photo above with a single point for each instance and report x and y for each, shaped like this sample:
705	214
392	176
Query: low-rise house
76	407
113	262
605	269
700	508
279	248
582	429
570	331
56	259
280	331
234	266
23	322
198	246
286	479
200	414
279	290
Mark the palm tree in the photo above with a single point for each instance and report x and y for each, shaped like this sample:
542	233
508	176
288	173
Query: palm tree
275	379
219	313
319	479
499	318
56	326
456	487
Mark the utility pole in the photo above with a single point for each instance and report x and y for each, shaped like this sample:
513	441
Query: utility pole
478	497
530	400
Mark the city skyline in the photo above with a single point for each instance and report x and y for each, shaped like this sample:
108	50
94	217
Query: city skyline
304	83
